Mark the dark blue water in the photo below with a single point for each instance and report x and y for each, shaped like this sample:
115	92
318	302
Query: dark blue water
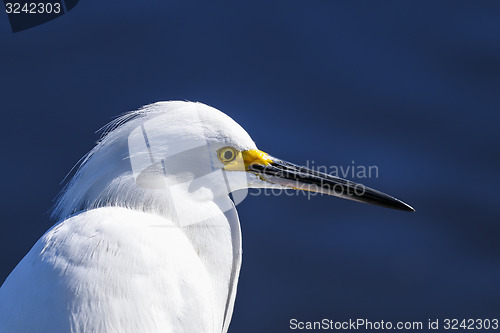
410	87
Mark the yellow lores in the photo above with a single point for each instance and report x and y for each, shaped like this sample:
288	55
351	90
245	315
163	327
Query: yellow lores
256	156
241	160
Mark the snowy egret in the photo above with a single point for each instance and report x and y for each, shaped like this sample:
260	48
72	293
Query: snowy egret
148	239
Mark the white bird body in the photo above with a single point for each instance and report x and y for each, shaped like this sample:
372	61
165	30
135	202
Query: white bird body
148	239
133	259
117	270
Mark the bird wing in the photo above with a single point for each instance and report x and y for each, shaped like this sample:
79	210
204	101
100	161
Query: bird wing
111	270
217	240
234	223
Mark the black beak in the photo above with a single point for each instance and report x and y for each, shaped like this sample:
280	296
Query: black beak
302	178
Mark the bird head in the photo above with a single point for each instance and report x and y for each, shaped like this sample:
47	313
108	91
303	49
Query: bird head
200	147
183	152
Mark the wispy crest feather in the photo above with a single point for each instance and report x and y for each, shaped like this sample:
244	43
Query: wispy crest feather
104	177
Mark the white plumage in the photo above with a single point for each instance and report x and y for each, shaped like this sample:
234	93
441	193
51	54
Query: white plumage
150	246
128	266
110	270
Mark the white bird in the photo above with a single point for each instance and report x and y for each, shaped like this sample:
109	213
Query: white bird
148	238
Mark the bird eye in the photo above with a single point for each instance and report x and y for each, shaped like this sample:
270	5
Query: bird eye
226	154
